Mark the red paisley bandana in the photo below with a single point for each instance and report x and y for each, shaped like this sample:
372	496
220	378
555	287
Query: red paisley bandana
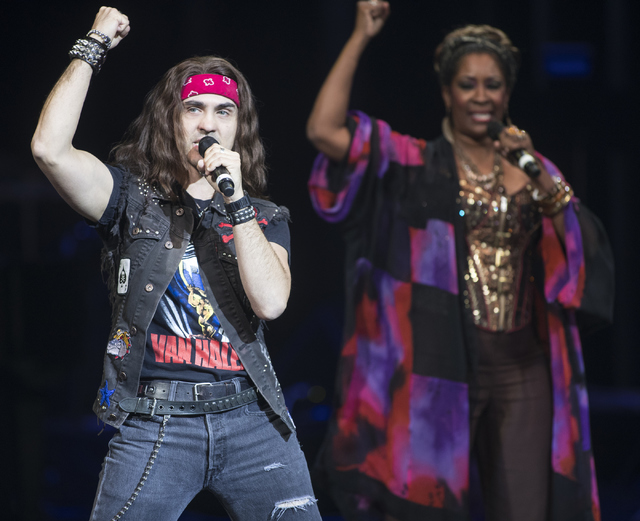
211	84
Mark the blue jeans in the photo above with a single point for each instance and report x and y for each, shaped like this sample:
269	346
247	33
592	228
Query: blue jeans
241	456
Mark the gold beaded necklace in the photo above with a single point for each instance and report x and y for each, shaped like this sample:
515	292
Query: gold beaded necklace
487	182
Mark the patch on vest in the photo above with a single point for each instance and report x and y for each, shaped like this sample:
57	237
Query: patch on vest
105	395
120	345
123	276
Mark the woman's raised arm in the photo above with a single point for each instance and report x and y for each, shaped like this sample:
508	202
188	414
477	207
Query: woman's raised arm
326	127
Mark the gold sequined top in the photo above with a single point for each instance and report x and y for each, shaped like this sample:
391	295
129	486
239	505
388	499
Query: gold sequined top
499	231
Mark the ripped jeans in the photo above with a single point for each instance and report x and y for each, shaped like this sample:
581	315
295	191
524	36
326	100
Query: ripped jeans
240	456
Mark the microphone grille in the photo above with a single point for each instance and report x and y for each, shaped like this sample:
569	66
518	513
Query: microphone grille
494	128
205	143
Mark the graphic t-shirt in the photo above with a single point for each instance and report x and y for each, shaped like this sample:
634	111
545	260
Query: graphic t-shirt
185	340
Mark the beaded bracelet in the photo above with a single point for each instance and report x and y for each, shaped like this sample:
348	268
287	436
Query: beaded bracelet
553	203
242	216
91	51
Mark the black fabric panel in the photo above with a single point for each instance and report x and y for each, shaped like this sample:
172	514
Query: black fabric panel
393	243
596	308
437	334
570	501
345	484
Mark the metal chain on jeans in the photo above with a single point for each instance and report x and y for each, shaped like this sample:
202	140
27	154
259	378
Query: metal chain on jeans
147	469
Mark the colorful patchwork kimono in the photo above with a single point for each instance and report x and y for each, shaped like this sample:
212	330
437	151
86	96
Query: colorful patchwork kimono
399	438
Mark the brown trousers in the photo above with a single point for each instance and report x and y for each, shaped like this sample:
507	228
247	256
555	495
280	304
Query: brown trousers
510	404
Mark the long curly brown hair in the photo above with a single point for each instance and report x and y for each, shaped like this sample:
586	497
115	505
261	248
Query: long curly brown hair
149	148
476	39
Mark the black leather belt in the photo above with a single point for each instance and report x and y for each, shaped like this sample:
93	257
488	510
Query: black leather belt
193	399
189	391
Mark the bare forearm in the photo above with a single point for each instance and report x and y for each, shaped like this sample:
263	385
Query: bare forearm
60	115
326	127
264	273
59	118
79	177
330	109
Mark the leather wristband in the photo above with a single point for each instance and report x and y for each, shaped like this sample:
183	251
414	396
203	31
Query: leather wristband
244	215
91	51
241	203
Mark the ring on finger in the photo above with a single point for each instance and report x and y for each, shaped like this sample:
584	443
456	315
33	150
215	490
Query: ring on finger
513	130
516	132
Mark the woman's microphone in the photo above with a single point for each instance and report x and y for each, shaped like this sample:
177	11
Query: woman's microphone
221	174
519	156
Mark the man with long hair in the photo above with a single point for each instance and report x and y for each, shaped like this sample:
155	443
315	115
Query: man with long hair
194	270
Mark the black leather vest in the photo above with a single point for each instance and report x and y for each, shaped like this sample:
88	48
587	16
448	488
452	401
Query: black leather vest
143	248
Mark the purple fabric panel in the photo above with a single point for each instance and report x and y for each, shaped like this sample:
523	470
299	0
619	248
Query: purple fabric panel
433	256
585	429
386	147
561	443
565	284
406	150
571	405
572	326
358	161
439	429
566	425
572	292
581	390
595	499
379	354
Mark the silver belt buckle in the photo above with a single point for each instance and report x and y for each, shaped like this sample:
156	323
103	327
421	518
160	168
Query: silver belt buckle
151	408
196	391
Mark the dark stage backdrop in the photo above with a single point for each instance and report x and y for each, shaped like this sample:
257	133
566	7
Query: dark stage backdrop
576	95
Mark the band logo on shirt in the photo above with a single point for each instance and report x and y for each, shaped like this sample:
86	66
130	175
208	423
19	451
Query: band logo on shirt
169	349
186	329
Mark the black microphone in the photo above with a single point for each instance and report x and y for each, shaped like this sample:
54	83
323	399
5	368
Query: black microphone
221	174
519	156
